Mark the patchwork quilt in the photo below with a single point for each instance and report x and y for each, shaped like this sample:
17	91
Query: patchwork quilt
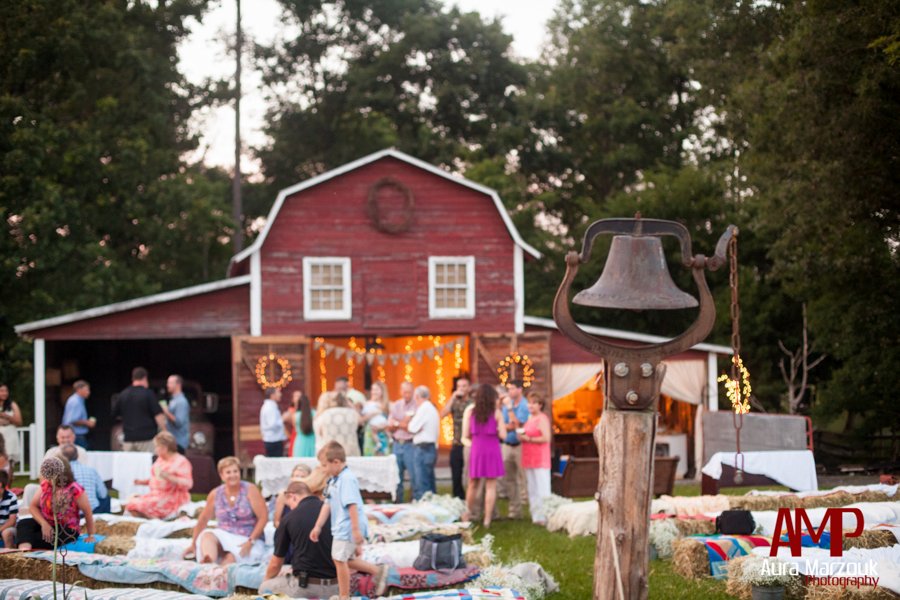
722	548
24	589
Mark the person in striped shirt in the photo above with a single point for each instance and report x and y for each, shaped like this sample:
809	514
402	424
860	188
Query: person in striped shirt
9	512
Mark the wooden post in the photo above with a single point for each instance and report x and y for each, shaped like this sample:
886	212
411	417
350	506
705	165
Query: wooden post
625	442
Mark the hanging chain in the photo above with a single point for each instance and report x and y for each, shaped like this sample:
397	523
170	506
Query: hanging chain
737	413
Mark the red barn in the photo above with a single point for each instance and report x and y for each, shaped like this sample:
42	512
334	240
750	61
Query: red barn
386	268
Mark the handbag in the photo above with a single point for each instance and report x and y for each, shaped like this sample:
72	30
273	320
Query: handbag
438	552
735	522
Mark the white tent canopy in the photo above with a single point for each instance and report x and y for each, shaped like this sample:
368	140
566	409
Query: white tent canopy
685	380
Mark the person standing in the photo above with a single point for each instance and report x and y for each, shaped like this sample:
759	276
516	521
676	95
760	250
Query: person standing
484	427
456	406
302	417
515	413
178	413
10	418
75	413
271	425
536	457
141	414
402	409
425	426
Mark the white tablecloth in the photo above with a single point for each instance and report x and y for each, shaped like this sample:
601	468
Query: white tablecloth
375	473
795	469
122	468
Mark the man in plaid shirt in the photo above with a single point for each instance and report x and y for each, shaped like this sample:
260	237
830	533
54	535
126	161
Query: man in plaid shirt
89	479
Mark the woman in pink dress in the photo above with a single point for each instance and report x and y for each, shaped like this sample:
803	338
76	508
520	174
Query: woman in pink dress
171	480
536	457
484	428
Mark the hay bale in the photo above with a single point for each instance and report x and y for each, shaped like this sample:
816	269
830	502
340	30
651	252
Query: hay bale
871	538
115	545
832	500
735	585
687	527
834	592
477	558
18	565
764	502
122	528
870	496
690	559
183	534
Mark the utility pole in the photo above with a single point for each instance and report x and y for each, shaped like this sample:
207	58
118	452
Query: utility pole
236	203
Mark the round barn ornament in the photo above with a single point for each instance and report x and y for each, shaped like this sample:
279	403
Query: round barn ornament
520	361
386	215
265	371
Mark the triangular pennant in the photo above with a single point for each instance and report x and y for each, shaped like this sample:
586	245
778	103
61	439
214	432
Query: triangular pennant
370	358
339	352
430	353
395	358
418	355
360	356
380	358
317	344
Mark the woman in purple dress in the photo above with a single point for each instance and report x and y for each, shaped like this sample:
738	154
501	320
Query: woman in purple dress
483	427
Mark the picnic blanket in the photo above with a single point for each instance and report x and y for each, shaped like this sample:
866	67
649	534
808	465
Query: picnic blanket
463	594
25	589
413	579
408	530
206	579
855	561
400	554
722	548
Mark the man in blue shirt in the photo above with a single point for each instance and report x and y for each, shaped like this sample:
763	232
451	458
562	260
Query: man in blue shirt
178	412
515	413
75	413
88	478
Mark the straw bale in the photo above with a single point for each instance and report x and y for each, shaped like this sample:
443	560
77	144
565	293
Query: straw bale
735	585
477	558
115	545
871	538
764	502
122	528
694	527
832	500
18	565
834	592
690	559
871	496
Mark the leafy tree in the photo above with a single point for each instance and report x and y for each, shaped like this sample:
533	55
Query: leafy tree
97	203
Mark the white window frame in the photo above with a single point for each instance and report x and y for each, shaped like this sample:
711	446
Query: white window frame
310	314
451	313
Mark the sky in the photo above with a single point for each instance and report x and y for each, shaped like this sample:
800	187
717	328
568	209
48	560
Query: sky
204	55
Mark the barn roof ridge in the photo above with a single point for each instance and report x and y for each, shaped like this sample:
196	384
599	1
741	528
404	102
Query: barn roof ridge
368	159
625	335
125	305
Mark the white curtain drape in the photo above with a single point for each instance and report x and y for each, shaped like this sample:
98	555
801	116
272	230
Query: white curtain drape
568	377
685	380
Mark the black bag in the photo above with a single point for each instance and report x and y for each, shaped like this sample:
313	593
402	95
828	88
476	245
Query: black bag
437	552
735	522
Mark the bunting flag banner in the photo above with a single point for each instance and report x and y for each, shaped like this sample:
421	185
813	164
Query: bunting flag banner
380	358
317	344
418	355
430	353
395	358
360	356
338	351
370	358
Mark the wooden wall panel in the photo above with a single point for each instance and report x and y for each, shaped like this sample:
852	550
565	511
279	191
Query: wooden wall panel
490	349
248	396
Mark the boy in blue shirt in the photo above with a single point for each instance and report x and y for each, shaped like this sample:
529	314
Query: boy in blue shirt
348	523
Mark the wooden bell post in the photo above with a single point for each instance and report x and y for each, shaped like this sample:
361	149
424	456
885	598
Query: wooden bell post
635	277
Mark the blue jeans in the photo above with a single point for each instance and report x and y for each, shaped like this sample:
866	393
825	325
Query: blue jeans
404	454
81	439
424	457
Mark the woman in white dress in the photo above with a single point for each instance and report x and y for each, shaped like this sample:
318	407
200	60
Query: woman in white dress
10	418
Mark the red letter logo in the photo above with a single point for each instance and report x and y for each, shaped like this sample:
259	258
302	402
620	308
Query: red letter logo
796	527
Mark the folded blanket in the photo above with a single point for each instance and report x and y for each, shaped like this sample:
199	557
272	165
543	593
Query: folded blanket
25	589
722	548
409	530
413	579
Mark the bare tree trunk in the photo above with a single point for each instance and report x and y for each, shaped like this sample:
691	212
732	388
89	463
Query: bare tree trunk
799	366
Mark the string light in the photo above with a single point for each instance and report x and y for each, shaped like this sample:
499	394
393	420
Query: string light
738	393
522	360
351	360
263	365
446	422
457	357
407	368
323	368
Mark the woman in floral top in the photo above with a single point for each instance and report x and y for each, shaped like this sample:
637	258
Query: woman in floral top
55	509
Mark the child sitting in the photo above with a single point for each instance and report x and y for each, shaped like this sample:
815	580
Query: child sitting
348	523
9	512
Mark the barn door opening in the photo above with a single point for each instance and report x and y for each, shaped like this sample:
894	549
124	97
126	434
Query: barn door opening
255	362
500	354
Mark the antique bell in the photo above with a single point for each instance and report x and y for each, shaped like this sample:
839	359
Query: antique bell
635	277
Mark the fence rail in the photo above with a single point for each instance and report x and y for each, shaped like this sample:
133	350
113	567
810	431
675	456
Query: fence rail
28	462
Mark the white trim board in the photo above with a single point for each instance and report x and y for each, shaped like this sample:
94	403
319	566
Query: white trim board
108	309
625	335
356	164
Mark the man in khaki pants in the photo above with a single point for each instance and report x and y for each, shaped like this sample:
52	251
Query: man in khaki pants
142	416
515	413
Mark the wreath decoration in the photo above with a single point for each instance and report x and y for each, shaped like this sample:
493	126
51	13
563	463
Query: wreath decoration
520	360
376	214
263	365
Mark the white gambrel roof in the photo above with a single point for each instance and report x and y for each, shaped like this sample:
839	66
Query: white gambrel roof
401	156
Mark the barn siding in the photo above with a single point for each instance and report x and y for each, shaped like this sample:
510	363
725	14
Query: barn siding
390	272
220	313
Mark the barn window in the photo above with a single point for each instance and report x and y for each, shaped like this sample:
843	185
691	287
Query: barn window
326	288
451	287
